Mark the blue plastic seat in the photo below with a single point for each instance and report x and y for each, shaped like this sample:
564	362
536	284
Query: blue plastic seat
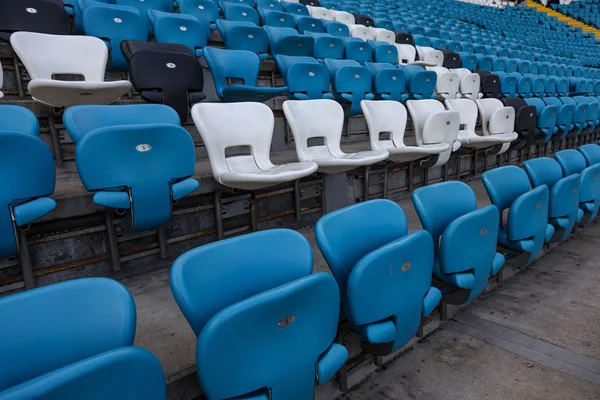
27	176
468	61
384	23
448	211
563	209
276	18
547	117
421	83
508	84
421	40
85	350
585	163
389	83
295	8
180	28
580	114
234	286
226	65
115	147
562	86
305	77
384	273
336	28
351	83
205	11
550	87
524	66
288	42
239	12
526	229
591	115
309	24
114	24
384	52
244	36
327	46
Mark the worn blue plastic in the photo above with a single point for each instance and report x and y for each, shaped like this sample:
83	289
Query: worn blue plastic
305	77
384	275
80	120
239	12
18	119
384	52
119	157
591	153
448	211
203	10
547	117
61	324
327	46
182	29
389	83
563	211
260	284
527	228
357	49
336	28
421	83
27	176
351	83
288	42
276	18
113	24
295	8
574	162
239	65
309	24
244	36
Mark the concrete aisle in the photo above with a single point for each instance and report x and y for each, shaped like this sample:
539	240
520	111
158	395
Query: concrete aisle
536	337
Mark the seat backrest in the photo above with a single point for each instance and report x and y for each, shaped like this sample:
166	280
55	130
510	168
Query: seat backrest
80	120
130	47
27	173
45	55
79	319
235	124
315	119
239	12
320	12
451	59
505	184
34	16
468	113
404	38
169	78
591	153
347	235
232	64
361	31
384	116
406	53
18	119
571	161
543	171
344	17
432	123
182	29
202	10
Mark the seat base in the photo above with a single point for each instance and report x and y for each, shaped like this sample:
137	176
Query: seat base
350	161
70	93
412	153
258	180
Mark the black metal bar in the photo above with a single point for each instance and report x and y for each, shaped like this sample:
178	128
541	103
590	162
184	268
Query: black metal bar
25	260
112	241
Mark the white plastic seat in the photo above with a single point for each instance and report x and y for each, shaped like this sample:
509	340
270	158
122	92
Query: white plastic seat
226	125
46	56
1	81
320	12
447	83
362	32
466	134
324	119
432	123
469	83
344	17
496	119
383	35
406	53
429	57
387	116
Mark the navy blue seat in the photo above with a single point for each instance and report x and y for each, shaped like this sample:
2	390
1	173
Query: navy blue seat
115	147
239	35
229	65
305	77
448	211
180	28
288	42
351	83
527	229
389	82
563	209
27	175
384	273
85	350
236	285
420	82
586	163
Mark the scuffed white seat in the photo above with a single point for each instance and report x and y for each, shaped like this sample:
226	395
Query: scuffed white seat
384	35
362	32
447	83
46	56
470	83
324	119
429	57
226	125
320	12
496	119
387	116
406	53
1	81
466	134
344	17
432	123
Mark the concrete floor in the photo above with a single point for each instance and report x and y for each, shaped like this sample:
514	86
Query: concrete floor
537	337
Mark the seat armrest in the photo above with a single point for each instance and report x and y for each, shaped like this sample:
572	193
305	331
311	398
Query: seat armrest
183	188
113	199
330	362
32	210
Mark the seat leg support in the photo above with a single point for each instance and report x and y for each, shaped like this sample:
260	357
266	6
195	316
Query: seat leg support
113	245
218	216
54	136
475	162
410	176
297	200
443	311
342	375
18	76
25	260
366	183
162	242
